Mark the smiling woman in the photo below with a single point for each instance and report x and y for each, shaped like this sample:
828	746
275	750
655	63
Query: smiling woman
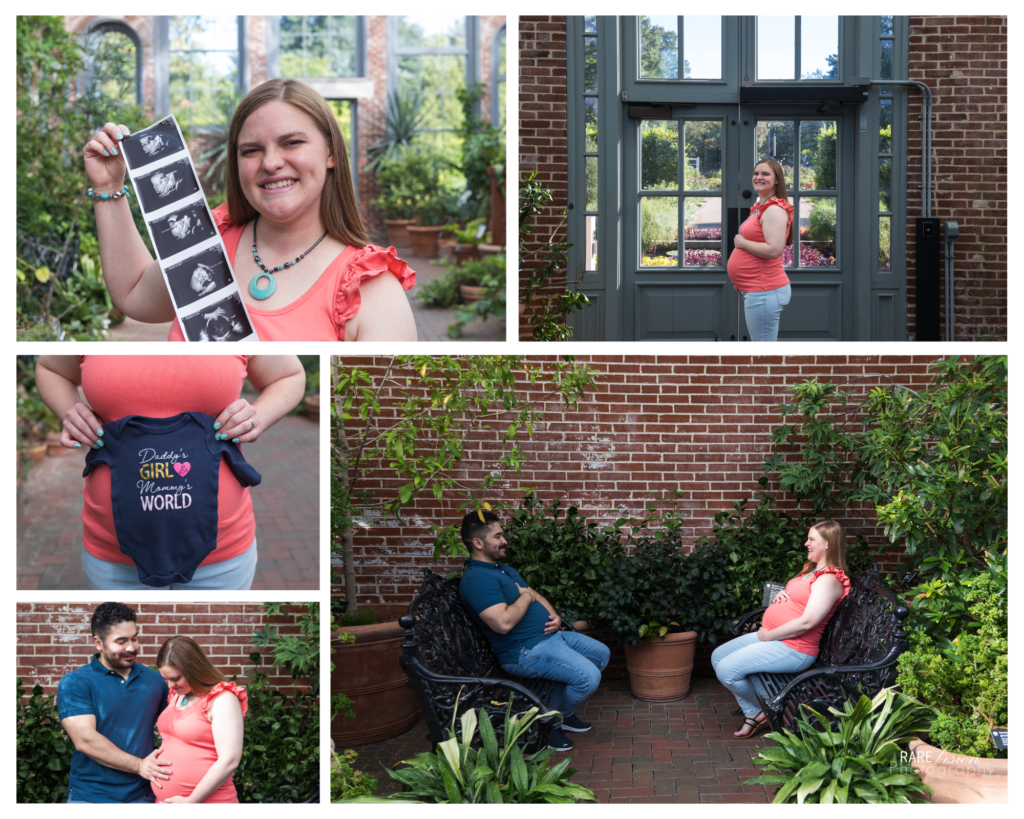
311	274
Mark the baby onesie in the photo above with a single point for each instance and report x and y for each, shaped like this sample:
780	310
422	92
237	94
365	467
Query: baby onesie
164	480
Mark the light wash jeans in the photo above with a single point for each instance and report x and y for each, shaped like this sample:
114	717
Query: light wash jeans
763	311
734	660
575	659
235	574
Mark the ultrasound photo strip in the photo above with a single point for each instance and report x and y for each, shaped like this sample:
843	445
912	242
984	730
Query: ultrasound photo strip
192	257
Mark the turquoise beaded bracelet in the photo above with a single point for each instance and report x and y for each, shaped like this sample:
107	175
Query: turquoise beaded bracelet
118	195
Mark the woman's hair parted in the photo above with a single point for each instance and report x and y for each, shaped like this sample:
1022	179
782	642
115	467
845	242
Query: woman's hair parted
339	210
184	654
779	192
835	541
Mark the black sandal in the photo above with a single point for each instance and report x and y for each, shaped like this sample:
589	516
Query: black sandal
756	725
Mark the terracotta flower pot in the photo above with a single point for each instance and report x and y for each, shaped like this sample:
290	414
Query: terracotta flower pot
313	407
490	250
469	294
446	250
463	253
398	232
960	780
367	671
424	239
36	452
661	671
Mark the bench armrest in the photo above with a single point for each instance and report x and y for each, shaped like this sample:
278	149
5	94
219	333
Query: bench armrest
752	617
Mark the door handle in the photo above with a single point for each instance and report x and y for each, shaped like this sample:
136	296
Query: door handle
746	194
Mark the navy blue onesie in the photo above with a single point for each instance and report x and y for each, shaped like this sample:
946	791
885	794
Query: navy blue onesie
164	481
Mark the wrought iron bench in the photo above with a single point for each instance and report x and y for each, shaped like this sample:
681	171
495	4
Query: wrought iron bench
451	667
857	654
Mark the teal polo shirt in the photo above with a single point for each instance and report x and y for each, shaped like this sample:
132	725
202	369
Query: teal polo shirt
126	710
486	584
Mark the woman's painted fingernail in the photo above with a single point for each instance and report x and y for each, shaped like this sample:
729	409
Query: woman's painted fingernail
97	445
216	424
118	135
99	442
99	431
106	152
77	446
219	437
125	132
234	440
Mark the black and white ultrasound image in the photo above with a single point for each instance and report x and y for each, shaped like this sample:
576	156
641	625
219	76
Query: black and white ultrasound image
182	229
167	185
223	321
154	143
198	276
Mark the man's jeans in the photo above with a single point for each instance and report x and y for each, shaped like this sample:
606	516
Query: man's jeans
734	660
575	659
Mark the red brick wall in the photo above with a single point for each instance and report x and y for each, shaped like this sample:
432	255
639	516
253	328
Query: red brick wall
542	123
963	61
655	423
54	638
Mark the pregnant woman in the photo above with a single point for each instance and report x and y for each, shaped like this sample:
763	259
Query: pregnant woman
792	626
201	726
755	266
291	226
162	387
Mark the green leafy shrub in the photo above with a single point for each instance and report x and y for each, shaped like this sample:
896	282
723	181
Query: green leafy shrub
443	291
821	224
43	751
825	158
969	683
859	763
346	781
298	654
565	559
407	179
459	774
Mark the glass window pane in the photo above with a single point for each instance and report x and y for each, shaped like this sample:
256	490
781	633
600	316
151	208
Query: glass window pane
885	127
659	231
887	24
818	231
884	244
702	148
590	112
342	110
818	155
591	178
659	47
702	48
110	56
775	140
776	47
590	24
291	24
590	245
659	154
702	225
819	48
884	185
885	69
431	31
590	64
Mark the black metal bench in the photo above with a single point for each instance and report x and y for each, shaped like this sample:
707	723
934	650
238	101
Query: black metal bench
452	667
857	654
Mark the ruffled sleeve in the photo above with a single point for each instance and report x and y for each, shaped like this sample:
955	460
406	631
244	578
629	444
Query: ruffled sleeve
220	688
840	576
366	263
221	217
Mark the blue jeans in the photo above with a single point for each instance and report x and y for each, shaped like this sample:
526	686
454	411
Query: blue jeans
734	660
763	310
575	659
234	574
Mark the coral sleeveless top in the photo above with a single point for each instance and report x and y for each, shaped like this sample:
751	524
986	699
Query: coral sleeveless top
321	312
161	386
799	589
188	743
750	273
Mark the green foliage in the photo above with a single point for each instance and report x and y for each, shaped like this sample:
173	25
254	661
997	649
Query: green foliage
35	419
933	464
341	704
407	179
659	51
540	266
363	617
457	773
298	654
483	145
403	120
212	146
821	224
43	752
346	782
825	158
443	291
859	763
659	222
659	154
968	683
467	235
565	559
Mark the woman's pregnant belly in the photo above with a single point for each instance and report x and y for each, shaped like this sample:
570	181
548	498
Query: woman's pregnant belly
189	765
779	613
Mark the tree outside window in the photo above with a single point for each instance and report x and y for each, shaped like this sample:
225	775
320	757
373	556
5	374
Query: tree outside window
318	46
203	58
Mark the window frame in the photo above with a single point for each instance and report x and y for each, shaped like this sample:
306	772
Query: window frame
111	24
846	40
274	50
162	78
496	76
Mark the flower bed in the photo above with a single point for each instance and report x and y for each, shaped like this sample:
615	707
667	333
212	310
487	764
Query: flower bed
703	234
691	258
809	257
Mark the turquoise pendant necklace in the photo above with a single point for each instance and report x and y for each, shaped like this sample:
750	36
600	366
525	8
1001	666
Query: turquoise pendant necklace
184	700
266	292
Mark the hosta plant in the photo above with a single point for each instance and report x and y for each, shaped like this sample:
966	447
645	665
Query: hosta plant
861	762
457	773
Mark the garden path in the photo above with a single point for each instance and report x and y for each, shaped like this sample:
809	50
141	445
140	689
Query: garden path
287	513
681	751
431	322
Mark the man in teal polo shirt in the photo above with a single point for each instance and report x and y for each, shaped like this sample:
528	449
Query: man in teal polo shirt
523	627
109	709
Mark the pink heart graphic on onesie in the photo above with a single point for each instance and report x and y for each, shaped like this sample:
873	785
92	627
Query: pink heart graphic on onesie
182	469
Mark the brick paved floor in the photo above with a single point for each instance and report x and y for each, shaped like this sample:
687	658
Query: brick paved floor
286	504
431	322
679	751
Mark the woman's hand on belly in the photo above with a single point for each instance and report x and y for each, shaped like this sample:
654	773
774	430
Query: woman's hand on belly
739	242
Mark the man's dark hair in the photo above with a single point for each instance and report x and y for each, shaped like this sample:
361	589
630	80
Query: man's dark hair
473	527
108	615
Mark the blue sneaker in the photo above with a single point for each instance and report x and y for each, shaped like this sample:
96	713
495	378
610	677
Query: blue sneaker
559	741
574	724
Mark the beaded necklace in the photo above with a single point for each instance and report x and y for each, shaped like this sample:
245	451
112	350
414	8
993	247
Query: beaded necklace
268	291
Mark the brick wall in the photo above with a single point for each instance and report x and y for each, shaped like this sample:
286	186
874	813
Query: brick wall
144	27
542	124
54	639
655	423
963	61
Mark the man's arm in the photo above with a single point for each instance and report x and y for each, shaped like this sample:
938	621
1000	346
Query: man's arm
89	741
502	618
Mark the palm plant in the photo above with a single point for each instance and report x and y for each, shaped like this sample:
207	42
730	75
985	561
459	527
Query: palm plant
213	139
403	120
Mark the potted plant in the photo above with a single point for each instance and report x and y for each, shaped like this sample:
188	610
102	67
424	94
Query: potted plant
404	181
312	400
467	241
966	681
433	212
